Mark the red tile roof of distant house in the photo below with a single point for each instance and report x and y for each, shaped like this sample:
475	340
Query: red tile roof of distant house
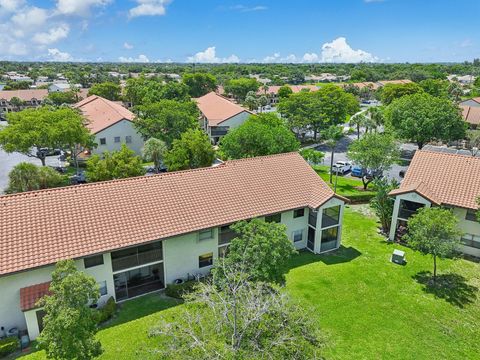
25	95
364	84
471	114
217	108
102	113
295	88
449	179
30	295
403	81
82	220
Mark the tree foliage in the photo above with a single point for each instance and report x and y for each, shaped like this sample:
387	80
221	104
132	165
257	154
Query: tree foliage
435	87
382	203
193	150
239	88
312	156
154	150
114	165
200	84
391	92
434	231
69	324
107	90
422	118
27	177
262	134
60	98
166	119
284	91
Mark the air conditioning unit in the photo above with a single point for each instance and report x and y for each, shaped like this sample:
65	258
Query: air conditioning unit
398	257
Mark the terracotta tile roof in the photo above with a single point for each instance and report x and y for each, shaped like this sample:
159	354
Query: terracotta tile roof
30	295
25	95
217	108
82	220
471	114
102	113
361	85
295	88
443	178
385	82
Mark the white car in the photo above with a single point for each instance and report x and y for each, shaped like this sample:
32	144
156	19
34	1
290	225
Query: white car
342	167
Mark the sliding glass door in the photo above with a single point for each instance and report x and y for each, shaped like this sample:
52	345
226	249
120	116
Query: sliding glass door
138	281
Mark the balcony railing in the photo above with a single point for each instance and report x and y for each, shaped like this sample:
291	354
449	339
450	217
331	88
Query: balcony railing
137	259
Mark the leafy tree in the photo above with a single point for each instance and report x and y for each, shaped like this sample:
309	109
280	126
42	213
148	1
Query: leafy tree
391	92
236	318
16	102
60	98
27	177
434	231
107	90
435	87
455	92
263	247
377	116
170	91
154	150
69	324
473	137
375	153
262	101
262	134
239	88
358	120
17	85
422	118
193	150
251	100
166	120
382	203
200	84
114	165
284	91
332	136
33	129
312	156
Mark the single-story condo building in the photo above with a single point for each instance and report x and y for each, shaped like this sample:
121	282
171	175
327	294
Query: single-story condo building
219	115
111	123
441	179
135	235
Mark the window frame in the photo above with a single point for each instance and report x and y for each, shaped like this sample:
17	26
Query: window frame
98	256
207	261
128	139
272	218
297	211
296	232
471	215
103	141
100	286
210	235
117	139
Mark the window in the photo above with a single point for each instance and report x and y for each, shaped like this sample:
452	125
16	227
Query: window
471	240
205	260
471	215
298	213
329	239
297	235
226	235
128	139
331	216
205	234
103	141
116	139
103	288
222	251
93	261
275	218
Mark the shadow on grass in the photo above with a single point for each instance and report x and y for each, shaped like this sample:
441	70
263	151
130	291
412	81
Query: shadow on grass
341	255
451	287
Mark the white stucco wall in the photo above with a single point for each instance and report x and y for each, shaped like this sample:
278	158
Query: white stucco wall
467	227
231	123
122	129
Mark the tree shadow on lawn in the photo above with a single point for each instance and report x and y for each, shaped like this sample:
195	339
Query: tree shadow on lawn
341	255
451	287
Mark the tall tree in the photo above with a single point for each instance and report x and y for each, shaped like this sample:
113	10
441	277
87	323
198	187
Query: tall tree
332	136
422	118
434	231
154	150
107	90
239	88
435	87
262	134
382	203
60	98
313	156
166	120
391	92
200	84
251	100
27	177
114	165
193	150
69	324
375	153
284	91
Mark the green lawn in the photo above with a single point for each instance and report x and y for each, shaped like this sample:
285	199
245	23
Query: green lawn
367	307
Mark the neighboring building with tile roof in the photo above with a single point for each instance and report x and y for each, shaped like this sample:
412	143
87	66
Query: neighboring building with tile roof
441	179
471	114
155	229
272	91
219	114
31	98
473	102
111	123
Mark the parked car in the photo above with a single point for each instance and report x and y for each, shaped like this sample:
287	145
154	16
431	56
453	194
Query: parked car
357	171
49	152
78	178
342	167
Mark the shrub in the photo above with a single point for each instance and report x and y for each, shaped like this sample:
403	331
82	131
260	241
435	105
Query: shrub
8	346
179	290
107	311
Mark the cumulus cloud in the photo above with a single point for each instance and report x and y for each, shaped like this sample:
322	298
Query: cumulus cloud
338	51
78	7
244	8
140	59
57	55
209	56
310	57
277	58
149	8
127	46
10	5
53	35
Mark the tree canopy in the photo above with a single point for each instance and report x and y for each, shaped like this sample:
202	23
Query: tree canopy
262	134
422	118
107	90
27	177
154	150
239	88
391	92
200	84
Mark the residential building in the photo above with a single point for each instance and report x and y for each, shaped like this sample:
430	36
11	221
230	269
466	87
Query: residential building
62	87
30	98
462	79
441	179
471	114
272	91
111	123
473	102
218	115
135	235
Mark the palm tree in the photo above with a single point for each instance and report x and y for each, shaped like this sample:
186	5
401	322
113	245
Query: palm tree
376	115
358	120
332	136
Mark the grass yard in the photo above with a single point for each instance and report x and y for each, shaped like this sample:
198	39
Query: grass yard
367	307
346	186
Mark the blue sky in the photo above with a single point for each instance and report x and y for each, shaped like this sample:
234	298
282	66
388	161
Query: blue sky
236	30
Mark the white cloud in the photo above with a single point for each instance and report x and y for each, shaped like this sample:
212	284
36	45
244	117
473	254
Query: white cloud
78	7
140	59
31	17
53	35
209	56
244	8
149	8
127	46
10	5
310	57
466	43
277	58
338	51
57	55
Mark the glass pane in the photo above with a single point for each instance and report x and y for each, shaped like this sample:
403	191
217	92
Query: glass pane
329	239
331	216
275	218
